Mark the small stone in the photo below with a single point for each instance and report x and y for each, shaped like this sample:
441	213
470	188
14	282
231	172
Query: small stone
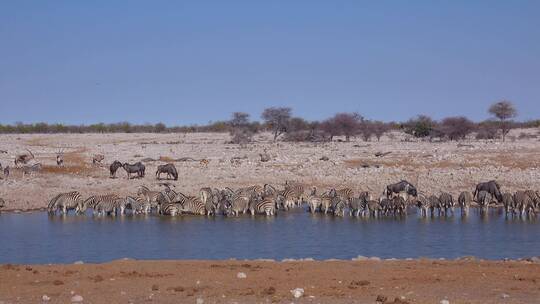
360	258
241	275
76	299
505	296
297	292
200	301
78	263
444	302
45	298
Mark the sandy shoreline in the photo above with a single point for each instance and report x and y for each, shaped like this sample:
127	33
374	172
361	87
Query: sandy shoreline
418	281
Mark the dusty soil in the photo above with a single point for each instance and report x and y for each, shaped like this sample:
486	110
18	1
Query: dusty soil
433	167
421	281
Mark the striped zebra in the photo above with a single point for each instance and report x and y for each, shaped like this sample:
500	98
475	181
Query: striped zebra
346	194
137	205
193	205
94	201
65	202
265	206
327	199
298	189
211	199
239	203
465	199
314	201
170	208
251	190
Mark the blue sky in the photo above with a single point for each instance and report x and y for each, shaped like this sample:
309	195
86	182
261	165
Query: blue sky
184	62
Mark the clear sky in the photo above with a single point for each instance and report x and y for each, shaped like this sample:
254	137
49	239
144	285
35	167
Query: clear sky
184	62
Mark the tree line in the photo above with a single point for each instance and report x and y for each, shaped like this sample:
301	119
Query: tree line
287	127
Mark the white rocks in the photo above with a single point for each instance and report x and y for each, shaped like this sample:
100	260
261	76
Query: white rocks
444	302
241	275
505	296
360	258
45	298
78	263
374	259
297	292
200	301
76	299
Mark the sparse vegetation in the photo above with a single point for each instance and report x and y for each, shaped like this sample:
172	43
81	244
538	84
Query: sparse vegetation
504	111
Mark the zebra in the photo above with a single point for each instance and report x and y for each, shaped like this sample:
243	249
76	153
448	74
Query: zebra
534	197
373	208
435	203
509	204
150	195
193	205
137	205
465	199
424	204
65	202
94	202
31	169
109	206
314	201
265	206
523	202
238	204
346	194
327	200
269	189
447	202
358	204
211	198
338	207
484	198
298	189
170	208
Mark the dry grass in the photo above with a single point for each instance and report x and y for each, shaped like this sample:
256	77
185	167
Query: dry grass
166	159
74	163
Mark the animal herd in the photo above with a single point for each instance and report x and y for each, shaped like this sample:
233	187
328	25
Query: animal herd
396	200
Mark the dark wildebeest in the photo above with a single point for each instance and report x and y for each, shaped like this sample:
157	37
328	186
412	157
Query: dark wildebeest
492	187
138	168
114	167
402	186
170	169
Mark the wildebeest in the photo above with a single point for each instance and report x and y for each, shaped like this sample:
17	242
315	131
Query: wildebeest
114	167
137	167
169	168
400	187
24	158
447	202
492	187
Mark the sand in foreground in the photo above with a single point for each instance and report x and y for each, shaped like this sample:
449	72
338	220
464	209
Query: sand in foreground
423	281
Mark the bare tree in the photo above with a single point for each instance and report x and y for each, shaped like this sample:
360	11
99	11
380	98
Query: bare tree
456	128
239	120
277	119
347	124
504	111
379	128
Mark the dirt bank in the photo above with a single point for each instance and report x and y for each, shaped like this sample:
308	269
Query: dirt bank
128	281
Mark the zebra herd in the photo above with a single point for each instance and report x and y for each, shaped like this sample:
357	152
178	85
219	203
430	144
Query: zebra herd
267	200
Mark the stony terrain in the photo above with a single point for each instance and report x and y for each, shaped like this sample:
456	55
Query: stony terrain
433	167
365	281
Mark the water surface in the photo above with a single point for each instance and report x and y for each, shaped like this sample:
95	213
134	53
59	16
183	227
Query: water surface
39	238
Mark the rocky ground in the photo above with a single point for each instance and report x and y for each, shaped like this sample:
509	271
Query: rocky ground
433	167
365	281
